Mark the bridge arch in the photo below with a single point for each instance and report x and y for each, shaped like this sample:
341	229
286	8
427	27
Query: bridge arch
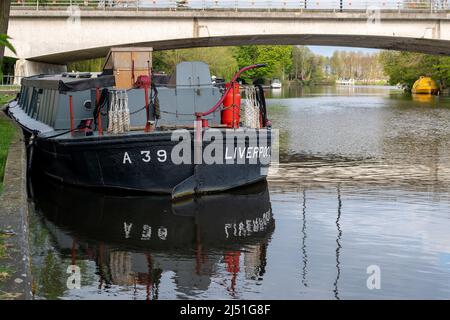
440	47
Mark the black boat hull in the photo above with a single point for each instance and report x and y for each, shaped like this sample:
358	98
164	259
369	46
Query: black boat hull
143	162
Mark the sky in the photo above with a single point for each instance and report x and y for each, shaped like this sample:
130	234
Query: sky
328	51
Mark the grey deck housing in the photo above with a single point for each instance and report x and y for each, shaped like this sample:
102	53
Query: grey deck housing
46	98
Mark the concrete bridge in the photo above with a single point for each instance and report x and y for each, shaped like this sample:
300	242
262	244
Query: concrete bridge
46	38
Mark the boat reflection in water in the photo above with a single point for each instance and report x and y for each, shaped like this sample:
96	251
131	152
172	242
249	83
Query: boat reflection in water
134	240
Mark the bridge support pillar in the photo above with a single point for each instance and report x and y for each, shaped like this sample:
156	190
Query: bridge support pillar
26	68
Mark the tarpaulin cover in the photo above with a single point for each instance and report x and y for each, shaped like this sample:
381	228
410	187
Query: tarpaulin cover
66	84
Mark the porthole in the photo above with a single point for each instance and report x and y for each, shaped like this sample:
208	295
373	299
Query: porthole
87	104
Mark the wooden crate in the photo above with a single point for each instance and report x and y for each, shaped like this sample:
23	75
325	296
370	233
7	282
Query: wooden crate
121	60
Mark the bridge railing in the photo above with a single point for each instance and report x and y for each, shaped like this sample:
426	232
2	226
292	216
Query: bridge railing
237	5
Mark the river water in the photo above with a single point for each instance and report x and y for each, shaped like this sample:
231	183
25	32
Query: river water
358	208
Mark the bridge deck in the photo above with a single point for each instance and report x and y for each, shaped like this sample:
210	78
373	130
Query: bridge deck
238	5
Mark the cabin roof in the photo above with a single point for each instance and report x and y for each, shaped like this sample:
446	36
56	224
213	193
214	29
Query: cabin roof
64	83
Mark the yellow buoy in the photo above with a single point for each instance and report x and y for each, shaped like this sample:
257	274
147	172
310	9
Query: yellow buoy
425	85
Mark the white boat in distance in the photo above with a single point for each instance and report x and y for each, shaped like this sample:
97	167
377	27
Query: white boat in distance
346	82
275	84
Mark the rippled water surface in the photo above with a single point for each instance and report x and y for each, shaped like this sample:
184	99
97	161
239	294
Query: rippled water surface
363	187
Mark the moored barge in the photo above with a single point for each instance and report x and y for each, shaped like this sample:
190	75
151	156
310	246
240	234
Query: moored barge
129	129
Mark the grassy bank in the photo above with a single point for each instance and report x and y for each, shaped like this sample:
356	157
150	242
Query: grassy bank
4	98
6	134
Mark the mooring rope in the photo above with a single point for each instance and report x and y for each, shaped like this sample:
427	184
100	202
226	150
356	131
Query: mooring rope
126	112
120	122
251	109
119	113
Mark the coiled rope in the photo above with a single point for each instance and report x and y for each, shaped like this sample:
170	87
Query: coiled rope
251	109
119	113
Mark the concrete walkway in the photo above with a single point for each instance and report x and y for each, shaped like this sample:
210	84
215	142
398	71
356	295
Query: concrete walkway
14	221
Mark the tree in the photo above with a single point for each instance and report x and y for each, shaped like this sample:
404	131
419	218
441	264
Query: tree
318	68
442	71
356	65
4	20
301	60
337	64
405	68
277	58
4	42
245	56
307	67
91	65
220	60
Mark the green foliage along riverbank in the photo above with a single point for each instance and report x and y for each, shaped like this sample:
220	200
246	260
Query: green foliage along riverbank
299	64
405	68
91	65
294	63
220	60
277	58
